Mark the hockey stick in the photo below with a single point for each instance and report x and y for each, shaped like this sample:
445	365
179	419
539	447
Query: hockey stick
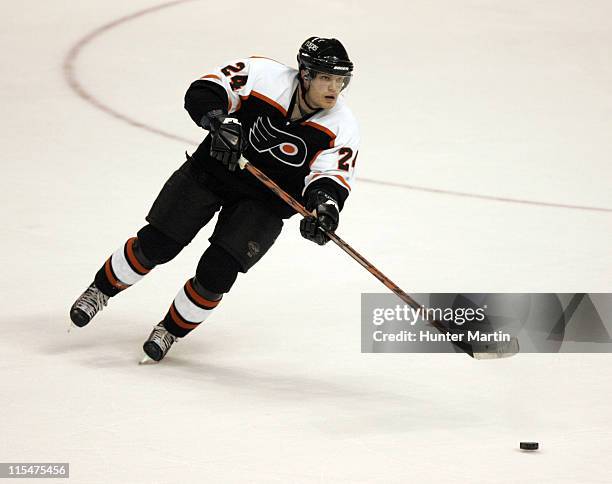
484	351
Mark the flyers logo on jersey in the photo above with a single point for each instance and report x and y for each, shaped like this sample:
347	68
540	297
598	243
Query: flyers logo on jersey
285	147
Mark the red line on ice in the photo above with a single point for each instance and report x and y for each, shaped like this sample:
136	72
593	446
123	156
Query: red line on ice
68	67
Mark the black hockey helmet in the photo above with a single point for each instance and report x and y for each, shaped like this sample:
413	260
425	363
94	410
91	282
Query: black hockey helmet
318	54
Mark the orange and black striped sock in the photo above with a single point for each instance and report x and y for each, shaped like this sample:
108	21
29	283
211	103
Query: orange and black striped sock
125	267
191	306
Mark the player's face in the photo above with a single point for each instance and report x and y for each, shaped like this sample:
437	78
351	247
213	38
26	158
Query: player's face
324	89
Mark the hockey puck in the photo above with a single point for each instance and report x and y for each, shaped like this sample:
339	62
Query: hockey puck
529	446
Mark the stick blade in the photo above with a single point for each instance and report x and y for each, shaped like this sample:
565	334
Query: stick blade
496	351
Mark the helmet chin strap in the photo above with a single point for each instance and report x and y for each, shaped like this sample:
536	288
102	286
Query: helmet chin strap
307	103
303	94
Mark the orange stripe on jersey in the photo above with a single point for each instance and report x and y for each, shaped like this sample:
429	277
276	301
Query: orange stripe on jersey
201	301
269	101
342	180
213	76
132	257
180	322
111	278
322	128
315	157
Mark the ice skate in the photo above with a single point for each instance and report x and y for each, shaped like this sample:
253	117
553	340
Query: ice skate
158	343
88	305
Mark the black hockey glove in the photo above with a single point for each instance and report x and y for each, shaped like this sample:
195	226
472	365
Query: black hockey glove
327	217
227	140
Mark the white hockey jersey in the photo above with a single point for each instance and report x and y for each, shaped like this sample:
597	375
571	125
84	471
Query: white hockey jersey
261	93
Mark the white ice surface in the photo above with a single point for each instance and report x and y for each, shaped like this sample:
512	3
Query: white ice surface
495	98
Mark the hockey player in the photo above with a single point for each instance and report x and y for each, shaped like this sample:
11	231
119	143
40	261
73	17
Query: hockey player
292	124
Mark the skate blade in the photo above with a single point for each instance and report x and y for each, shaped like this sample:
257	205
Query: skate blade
147	361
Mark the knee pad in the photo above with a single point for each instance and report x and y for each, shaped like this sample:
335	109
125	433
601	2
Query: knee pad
184	205
156	246
217	270
247	230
